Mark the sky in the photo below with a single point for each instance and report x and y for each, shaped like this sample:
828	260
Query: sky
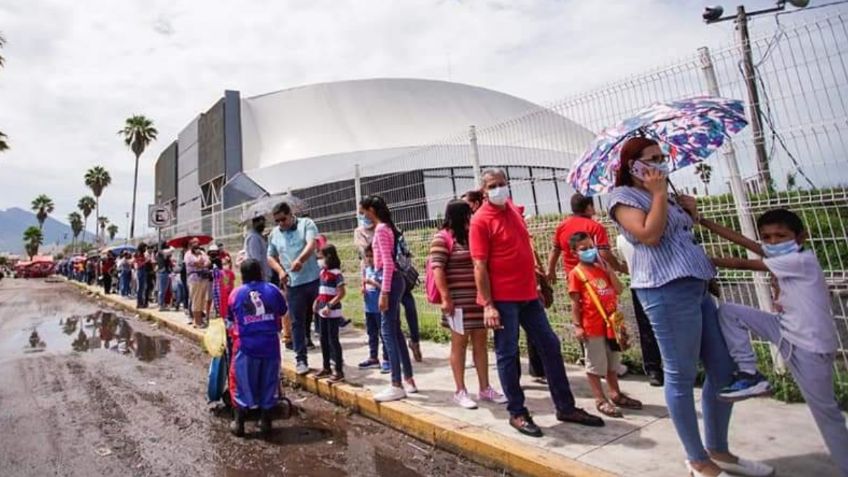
76	70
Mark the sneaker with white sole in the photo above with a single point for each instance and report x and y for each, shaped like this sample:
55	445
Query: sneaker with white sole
491	395
750	468
301	368
462	399
391	393
745	386
409	386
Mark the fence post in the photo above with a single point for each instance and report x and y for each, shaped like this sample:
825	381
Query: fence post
740	198
357	187
475	154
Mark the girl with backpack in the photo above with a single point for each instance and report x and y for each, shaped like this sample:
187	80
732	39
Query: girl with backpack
393	286
450	283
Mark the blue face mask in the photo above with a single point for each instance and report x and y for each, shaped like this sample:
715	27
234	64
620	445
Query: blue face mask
365	221
782	248
589	255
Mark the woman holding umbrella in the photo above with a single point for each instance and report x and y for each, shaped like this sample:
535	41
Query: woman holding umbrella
670	273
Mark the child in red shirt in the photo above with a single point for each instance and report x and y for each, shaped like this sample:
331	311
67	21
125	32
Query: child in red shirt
594	288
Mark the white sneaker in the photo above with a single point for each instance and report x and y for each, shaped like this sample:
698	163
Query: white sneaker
409	386
390	393
695	473
301	369
461	398
747	467
491	395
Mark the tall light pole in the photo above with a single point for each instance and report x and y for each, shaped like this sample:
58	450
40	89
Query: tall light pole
714	15
127	230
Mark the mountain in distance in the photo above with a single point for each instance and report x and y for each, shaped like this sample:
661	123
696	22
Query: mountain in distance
15	220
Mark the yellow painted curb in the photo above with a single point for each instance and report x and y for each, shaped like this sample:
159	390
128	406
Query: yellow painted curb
473	442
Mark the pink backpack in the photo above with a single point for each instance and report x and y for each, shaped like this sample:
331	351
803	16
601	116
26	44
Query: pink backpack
433	295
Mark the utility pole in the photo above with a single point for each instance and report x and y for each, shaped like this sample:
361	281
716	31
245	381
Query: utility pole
475	154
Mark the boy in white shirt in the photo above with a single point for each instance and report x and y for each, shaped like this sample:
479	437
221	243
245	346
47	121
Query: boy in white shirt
803	328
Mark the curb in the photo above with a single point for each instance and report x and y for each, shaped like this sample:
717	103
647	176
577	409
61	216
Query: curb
473	442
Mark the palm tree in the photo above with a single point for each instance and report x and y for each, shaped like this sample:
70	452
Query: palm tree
2	43
113	230
97	178
138	133
103	221
705	172
86	205
33	238
42	206
75	221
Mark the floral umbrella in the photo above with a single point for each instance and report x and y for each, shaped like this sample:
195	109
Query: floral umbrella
688	130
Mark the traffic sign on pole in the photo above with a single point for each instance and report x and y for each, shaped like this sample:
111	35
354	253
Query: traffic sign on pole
158	215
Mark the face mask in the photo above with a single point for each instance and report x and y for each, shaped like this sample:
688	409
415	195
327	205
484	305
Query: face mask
498	195
321	263
365	222
588	256
782	248
640	169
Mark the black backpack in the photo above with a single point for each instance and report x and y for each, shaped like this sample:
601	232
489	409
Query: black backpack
403	261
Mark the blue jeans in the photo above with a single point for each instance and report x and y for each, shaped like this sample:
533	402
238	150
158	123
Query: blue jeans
393	340
141	294
124	285
685	321
163	282
301	298
372	324
411	313
531	316
177	290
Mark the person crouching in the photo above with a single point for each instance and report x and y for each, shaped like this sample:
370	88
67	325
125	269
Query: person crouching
254	322
594	288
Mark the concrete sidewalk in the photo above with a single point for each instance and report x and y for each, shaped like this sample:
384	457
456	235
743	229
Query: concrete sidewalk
643	443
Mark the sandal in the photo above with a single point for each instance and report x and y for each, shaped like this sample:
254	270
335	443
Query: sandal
627	402
608	409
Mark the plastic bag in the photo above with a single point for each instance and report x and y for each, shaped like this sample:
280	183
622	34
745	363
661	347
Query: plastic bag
217	386
215	339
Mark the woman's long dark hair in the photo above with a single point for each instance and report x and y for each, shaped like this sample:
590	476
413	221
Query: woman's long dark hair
630	151
457	217
381	210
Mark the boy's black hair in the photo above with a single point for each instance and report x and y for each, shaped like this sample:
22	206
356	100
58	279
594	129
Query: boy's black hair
331	257
579	203
282	208
784	217
577	238
251	271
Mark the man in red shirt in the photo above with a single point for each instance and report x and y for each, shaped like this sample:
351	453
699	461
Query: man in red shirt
505	275
582	209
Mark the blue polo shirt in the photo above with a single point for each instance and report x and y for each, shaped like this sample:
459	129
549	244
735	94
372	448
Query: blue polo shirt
287	245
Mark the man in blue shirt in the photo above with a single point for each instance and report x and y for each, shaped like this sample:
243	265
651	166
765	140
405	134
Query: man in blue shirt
253	323
291	253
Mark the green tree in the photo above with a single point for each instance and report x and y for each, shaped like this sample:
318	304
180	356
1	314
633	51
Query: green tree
113	231
705	173
86	205
791	181
42	206
97	178
75	221
138	133
33	238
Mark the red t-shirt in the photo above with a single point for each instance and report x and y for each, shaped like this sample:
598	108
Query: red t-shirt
570	226
593	322
501	238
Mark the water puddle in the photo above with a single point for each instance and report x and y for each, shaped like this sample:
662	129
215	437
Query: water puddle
102	330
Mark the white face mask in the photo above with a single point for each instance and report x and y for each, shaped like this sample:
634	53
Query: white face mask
321	263
499	195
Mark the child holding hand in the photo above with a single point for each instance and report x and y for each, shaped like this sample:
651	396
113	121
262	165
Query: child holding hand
594	288
331	292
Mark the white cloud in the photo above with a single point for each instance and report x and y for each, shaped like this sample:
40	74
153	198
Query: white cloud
75	71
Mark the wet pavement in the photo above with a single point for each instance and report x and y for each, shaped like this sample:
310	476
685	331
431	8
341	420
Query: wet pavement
88	390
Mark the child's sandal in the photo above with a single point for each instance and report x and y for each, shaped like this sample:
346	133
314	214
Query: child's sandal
608	409
627	402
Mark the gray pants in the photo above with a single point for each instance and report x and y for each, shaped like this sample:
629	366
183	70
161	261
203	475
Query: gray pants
812	371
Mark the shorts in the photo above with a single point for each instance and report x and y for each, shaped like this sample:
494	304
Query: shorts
599	357
199	294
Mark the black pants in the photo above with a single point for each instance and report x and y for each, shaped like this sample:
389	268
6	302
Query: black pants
535	361
331	347
651	358
107	284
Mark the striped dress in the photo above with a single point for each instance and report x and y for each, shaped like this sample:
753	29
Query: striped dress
460	275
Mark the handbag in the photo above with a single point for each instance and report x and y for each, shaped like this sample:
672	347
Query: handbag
614	321
403	260
434	297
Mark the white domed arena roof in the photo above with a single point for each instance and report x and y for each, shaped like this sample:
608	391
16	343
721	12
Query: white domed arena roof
301	136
